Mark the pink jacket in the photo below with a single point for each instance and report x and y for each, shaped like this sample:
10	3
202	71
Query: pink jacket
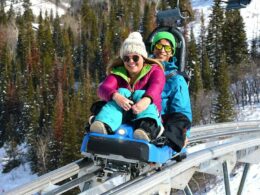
151	80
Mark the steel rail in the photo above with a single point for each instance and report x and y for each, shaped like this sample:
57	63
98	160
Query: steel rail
222	134
193	160
52	177
219	126
74	168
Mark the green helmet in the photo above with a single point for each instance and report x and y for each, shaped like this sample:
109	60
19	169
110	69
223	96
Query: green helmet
164	35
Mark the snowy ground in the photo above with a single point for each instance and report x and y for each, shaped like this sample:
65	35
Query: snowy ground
249	113
16	177
251	186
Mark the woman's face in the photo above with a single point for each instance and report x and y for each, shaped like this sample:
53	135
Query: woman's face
133	63
162	50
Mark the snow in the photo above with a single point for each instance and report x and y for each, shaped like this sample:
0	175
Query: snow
16	177
38	6
250	14
251	186
249	113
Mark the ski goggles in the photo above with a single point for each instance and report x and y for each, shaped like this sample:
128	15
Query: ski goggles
167	48
135	58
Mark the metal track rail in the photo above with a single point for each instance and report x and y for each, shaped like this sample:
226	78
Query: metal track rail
222	134
193	160
53	177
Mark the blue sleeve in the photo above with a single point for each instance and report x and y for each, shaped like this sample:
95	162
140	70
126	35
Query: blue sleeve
179	99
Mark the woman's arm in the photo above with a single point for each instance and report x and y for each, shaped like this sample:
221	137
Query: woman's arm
156	83
108	87
153	92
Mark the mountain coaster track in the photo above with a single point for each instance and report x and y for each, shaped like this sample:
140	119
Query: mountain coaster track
221	146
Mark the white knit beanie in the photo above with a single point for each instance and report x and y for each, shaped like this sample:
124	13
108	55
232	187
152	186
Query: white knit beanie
133	44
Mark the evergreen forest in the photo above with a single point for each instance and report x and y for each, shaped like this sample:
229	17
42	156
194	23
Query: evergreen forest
51	65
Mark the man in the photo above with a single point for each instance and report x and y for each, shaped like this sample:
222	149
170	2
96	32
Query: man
176	107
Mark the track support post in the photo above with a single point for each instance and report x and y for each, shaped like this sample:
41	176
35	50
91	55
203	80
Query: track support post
226	178
243	179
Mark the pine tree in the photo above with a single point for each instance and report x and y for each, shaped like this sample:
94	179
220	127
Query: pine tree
135	9
21	47
224	111
90	35
71	138
193	61
3	17
215	35
115	28
55	146
46	47
57	37
149	21
11	13
254	51
235	43
5	72
12	117
206	71
11	132
25	36
196	86
12	154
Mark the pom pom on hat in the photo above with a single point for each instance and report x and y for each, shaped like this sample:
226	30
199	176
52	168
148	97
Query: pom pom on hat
133	44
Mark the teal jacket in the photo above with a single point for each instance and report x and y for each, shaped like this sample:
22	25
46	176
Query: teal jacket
175	95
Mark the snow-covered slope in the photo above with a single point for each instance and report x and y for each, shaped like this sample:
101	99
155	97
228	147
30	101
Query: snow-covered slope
17	176
250	14
40	5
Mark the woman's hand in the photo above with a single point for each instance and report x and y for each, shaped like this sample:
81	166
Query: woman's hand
122	101
141	105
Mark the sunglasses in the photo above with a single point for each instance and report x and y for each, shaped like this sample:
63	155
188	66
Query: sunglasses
167	48
135	58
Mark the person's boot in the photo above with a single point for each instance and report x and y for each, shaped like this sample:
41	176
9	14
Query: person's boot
142	135
98	127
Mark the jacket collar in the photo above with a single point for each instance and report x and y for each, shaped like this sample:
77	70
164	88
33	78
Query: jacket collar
122	72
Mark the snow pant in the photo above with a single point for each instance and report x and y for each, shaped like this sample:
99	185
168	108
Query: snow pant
112	114
177	128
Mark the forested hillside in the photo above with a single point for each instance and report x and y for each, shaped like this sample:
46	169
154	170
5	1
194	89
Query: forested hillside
50	67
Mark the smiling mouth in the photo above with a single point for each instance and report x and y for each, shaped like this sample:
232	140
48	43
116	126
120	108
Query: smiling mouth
162	55
131	65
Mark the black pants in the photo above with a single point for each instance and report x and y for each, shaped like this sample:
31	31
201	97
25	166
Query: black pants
176	125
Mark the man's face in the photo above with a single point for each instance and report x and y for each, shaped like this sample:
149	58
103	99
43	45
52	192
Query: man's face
163	50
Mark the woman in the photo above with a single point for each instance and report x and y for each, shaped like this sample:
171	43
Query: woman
176	107
134	83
